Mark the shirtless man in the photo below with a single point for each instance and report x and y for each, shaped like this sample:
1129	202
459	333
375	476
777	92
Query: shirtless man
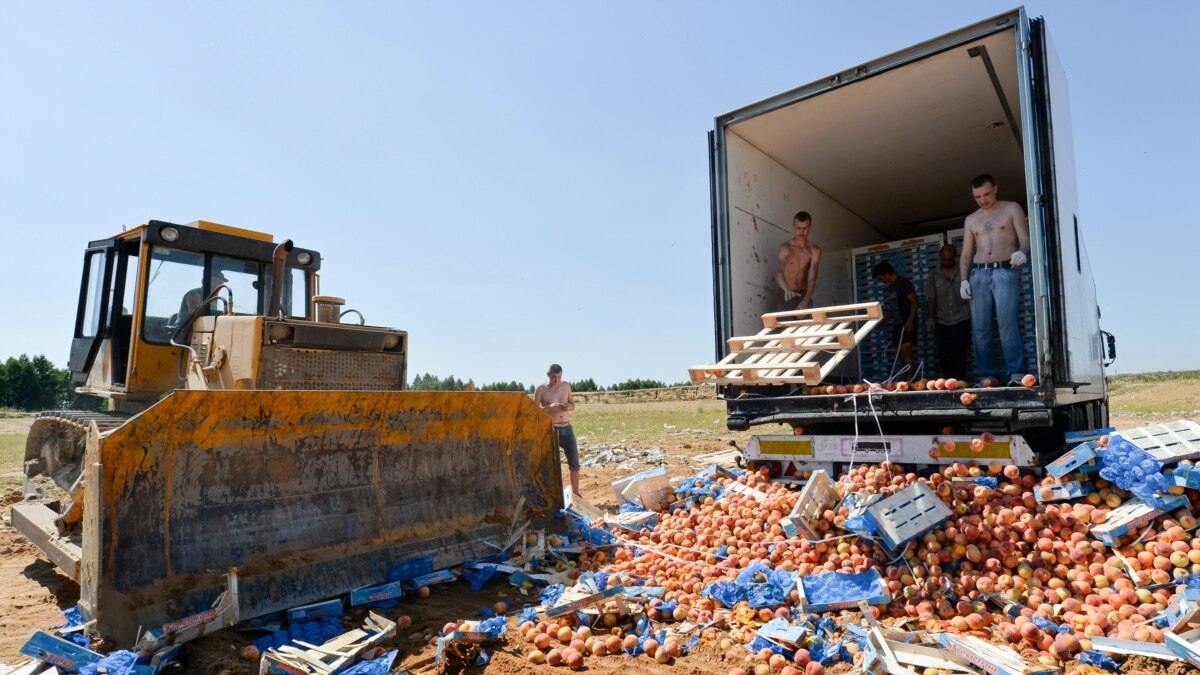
995	246
799	259
554	396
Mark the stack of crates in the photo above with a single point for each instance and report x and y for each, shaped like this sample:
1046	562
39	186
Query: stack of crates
912	258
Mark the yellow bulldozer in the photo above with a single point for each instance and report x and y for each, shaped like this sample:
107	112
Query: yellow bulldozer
251	426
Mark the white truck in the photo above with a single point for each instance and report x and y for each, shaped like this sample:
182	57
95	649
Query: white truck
882	156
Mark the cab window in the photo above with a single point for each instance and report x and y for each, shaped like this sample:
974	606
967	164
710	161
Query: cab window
173	275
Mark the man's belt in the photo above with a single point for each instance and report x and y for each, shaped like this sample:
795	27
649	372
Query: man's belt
992	265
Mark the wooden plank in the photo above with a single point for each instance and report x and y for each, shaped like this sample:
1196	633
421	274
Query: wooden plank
36	522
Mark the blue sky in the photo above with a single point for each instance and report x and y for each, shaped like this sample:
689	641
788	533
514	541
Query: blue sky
518	183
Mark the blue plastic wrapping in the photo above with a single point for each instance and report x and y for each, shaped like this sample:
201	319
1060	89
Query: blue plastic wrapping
1130	468
116	663
479	576
987	481
727	593
411	569
484	658
862	524
312	632
760	643
527	614
1048	625
600	580
825	653
1095	658
766	587
830	590
379	666
550	594
498	624
75	618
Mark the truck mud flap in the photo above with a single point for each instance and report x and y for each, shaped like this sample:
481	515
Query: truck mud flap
308	494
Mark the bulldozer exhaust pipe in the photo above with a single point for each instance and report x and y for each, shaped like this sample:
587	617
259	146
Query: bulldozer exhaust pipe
278	260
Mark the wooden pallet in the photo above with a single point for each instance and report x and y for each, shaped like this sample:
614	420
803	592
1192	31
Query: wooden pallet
796	347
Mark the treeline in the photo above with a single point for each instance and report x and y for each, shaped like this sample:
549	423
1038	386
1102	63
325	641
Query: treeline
430	382
36	384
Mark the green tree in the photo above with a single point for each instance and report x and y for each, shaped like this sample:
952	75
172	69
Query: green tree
503	386
585	385
430	382
631	385
36	384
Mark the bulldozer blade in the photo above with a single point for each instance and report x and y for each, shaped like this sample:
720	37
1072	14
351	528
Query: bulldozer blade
308	494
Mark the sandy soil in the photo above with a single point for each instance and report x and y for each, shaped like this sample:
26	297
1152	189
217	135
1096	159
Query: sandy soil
34	592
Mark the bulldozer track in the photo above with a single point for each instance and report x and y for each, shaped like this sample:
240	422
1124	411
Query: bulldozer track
105	421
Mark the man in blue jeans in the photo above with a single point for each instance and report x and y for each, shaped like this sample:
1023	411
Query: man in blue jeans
995	247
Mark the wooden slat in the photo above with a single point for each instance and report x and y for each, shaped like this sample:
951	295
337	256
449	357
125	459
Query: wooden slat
36	522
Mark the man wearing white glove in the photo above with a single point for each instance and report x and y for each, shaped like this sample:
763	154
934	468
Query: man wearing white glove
995	247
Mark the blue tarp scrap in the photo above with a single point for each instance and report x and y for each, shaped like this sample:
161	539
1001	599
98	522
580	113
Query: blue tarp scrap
75	618
116	663
1094	658
527	614
379	666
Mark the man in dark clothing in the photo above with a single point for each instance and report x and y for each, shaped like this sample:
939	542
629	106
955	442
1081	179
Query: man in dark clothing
949	314
901	311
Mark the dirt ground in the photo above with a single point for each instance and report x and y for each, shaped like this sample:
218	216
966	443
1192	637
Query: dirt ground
34	592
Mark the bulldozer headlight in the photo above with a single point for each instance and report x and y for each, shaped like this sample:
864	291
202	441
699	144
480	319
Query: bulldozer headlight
304	257
169	233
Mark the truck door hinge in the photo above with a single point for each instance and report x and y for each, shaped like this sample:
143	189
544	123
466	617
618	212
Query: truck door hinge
1037	199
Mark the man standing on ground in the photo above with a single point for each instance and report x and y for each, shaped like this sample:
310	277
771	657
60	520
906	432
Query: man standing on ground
901	311
949	314
799	259
554	396
995	246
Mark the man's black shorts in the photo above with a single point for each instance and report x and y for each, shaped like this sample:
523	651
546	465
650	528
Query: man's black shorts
910	337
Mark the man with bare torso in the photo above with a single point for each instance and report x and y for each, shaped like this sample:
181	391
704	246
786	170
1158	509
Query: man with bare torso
799	259
554	396
995	247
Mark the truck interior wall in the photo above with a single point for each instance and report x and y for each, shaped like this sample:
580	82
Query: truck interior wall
763	198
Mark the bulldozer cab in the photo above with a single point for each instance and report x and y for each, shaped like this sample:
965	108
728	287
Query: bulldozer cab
142	290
